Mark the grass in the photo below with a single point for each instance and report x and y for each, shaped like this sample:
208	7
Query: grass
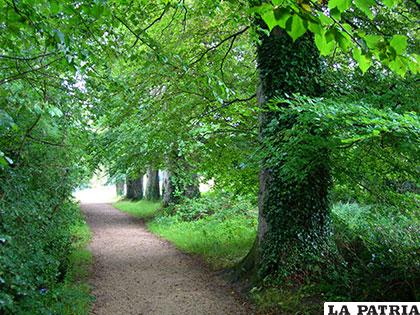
221	243
142	209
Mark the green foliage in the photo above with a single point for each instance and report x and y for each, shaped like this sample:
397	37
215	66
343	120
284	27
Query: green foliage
286	301
331	23
73	295
40	260
43	136
379	249
372	149
131	84
373	255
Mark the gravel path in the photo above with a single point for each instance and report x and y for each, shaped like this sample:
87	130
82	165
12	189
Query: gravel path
135	272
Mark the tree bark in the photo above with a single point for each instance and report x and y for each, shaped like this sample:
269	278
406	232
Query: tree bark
152	186
119	185
293	214
168	190
135	188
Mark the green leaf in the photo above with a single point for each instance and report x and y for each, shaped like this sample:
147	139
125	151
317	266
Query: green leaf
281	15
399	43
389	3
324	47
414	63
297	27
341	5
269	19
325	20
54	7
363	61
315	28
372	41
97	10
364	6
335	13
398	66
343	40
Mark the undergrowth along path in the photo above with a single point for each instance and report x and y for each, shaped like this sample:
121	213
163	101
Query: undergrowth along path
135	272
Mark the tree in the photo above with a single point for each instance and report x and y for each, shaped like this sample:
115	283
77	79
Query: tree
135	188
119	185
293	211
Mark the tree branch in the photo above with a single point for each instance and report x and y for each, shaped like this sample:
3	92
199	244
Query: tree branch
150	25
225	56
27	58
20	74
218	45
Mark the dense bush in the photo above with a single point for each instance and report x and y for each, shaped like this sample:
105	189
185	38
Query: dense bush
220	204
36	234
380	253
37	213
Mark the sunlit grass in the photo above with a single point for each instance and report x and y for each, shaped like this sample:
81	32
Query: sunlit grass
142	209
221	243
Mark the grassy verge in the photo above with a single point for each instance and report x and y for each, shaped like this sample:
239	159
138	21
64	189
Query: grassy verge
73	296
142	209
221	243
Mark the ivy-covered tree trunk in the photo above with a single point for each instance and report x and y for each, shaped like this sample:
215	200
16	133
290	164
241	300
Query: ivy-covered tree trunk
135	188
192	187
293	211
152	186
180	180
119	185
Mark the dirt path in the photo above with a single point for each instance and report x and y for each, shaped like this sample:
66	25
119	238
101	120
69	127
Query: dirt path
135	272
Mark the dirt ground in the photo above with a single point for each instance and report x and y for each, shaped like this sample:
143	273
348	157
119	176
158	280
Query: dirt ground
135	272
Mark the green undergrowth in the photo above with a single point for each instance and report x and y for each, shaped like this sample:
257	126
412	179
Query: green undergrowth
73	296
373	256
144	209
44	264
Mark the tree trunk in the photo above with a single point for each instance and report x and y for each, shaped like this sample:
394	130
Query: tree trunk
180	180
293	214
168	190
152	187
119	185
192	187
135	188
